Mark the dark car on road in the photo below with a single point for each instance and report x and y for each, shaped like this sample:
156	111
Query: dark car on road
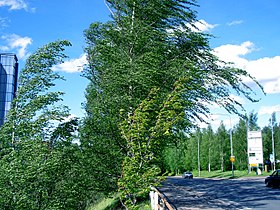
273	180
187	175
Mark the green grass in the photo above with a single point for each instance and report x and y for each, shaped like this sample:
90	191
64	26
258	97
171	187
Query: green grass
106	203
145	205
113	203
228	174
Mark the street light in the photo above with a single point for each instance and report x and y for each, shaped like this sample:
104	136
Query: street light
198	158
272	139
231	146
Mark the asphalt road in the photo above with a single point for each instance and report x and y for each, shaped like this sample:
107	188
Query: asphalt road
199	193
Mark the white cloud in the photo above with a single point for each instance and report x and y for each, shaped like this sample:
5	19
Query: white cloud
269	109
70	117
199	26
16	42
3	22
215	120
4	48
265	70
202	26
233	53
235	22
14	4
238	99
73	65
272	86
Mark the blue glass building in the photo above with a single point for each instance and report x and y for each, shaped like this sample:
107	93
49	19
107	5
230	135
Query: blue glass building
8	82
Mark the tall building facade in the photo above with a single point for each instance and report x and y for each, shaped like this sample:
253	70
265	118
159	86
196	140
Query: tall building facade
8	82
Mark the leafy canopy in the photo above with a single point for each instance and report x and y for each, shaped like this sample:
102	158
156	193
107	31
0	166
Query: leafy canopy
141	60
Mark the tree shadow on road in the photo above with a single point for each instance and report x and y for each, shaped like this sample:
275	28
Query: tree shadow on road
218	193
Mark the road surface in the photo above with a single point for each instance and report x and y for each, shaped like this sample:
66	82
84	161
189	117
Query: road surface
199	193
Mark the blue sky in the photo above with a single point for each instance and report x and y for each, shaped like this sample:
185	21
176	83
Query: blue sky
246	33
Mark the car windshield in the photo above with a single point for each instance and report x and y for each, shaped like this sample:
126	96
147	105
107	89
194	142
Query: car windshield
275	173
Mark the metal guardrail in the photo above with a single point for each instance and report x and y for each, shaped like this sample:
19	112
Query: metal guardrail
159	200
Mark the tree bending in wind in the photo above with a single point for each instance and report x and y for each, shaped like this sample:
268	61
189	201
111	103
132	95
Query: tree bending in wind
34	107
150	45
40	166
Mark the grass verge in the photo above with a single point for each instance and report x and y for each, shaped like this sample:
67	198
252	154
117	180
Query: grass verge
113	203
228	174
106	203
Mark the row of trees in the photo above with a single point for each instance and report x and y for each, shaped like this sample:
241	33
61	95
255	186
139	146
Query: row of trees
151	78
214	147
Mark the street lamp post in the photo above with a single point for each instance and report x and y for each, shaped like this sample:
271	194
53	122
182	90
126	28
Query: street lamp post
231	151
198	158
272	140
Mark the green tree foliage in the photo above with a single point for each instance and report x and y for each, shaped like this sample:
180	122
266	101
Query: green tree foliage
174	155
40	167
253	122
192	153
145	46
212	145
34	107
267	144
277	143
224	147
267	138
239	139
198	137
146	132
140	132
35	178
175	159
207	148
